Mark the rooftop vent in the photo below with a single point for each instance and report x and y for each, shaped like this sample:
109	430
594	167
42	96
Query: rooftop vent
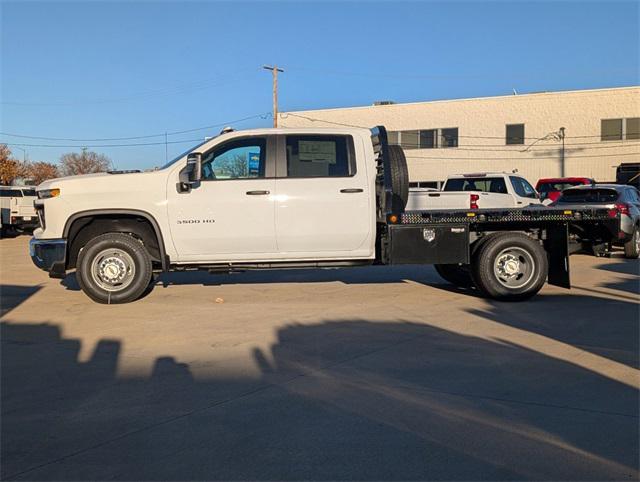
384	102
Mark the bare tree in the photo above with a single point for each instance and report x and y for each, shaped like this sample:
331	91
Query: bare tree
85	162
41	171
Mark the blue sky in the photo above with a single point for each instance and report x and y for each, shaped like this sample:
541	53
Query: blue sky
91	70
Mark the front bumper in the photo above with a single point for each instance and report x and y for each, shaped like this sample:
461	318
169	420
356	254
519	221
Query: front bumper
49	255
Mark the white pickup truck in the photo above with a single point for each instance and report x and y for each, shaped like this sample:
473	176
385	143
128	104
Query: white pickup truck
16	207
489	190
287	198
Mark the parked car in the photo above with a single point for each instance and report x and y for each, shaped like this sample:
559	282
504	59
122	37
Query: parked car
628	173
476	191
621	203
17	209
551	188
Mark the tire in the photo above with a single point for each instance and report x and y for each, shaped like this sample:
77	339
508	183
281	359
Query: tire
510	267
114	268
632	247
455	274
399	178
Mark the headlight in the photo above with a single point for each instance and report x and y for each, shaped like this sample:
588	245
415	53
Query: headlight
47	193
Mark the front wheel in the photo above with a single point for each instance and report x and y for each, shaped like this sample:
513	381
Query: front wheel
114	268
510	267
632	247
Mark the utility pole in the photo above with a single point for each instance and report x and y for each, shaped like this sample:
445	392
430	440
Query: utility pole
562	168
274	71
24	153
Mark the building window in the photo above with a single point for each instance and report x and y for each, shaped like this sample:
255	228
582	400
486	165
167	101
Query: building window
424	138
611	130
429	139
410	139
515	134
449	137
633	129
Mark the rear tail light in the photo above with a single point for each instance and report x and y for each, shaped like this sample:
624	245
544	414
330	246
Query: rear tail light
620	208
473	201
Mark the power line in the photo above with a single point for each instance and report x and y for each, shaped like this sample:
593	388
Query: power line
534	158
255	116
284	115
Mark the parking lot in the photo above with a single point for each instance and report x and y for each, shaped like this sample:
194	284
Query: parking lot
360	374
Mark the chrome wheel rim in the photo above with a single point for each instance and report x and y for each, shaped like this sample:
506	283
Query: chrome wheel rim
636	235
113	269
514	267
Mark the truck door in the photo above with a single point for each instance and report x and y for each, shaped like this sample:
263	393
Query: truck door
323	197
230	215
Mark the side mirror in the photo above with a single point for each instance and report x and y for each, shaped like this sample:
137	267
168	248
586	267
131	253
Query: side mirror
191	174
194	167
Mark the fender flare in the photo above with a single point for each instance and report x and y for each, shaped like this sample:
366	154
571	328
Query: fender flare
135	212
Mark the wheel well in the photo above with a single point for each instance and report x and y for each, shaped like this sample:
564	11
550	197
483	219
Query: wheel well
85	228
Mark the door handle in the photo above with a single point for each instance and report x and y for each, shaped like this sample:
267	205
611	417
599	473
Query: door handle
257	193
351	190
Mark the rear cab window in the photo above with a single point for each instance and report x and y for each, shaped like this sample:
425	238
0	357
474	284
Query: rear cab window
309	156
483	184
10	193
601	195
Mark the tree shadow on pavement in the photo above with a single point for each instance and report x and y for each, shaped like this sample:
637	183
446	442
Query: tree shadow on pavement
11	296
340	400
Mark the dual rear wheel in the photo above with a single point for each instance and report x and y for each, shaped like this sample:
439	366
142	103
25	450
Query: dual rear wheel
506	266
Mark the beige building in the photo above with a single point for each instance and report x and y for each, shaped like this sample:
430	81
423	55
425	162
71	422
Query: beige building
601	129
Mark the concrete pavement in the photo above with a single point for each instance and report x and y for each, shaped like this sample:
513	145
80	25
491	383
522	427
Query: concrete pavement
358	374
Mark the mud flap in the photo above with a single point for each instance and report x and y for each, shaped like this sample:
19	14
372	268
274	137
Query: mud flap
557	247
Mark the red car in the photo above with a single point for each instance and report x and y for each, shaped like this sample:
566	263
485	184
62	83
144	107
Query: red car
551	188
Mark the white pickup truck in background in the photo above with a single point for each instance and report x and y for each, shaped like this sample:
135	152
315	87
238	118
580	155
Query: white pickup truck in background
476	191
16	207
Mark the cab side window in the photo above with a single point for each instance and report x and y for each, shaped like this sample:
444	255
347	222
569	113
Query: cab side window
320	156
522	187
236	159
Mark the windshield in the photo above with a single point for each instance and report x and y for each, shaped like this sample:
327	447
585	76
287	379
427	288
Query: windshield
176	159
588	196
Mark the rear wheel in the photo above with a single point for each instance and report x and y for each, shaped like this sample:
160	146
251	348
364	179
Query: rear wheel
632	247
399	178
457	275
510	267
114	268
